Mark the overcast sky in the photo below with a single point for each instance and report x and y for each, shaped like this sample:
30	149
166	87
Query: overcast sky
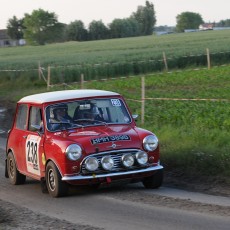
107	10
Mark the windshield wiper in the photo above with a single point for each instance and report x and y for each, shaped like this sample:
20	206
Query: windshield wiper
102	122
92	121
63	125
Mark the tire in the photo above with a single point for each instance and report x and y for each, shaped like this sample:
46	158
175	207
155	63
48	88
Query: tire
154	181
15	176
56	187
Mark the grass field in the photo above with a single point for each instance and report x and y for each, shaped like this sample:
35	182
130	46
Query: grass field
194	135
117	57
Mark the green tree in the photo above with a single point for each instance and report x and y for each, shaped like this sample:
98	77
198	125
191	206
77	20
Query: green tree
146	17
97	30
188	20
121	28
116	28
76	31
132	27
40	27
224	23
15	28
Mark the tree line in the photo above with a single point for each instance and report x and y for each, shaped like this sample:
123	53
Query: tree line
42	27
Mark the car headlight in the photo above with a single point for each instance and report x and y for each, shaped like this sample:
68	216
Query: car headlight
107	162
127	160
73	152
150	143
142	157
91	164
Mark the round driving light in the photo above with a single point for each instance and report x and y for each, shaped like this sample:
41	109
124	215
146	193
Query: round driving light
150	143
91	164
107	162
127	160
73	152
142	157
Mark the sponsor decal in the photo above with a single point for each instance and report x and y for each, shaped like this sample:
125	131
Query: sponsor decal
100	140
116	102
43	159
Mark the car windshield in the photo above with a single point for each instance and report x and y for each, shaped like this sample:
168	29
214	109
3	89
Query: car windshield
83	113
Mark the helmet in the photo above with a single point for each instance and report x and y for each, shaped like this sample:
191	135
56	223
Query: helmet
91	113
55	109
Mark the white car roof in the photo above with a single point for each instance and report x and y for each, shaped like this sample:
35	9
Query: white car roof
65	95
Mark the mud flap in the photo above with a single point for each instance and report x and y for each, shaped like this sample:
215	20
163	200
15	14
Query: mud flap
44	188
6	171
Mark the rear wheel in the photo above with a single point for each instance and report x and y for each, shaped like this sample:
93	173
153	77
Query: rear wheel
14	175
55	185
154	181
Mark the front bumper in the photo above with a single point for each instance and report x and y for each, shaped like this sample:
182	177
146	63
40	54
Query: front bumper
114	174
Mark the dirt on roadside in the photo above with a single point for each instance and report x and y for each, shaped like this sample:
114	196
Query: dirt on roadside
14	217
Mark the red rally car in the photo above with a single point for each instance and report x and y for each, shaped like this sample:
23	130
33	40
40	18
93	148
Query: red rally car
79	137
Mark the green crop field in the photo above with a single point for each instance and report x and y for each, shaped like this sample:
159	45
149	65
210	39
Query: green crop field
117	57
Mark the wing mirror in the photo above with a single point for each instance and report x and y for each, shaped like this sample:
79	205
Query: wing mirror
135	117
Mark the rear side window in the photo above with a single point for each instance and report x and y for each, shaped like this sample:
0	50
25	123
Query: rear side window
21	117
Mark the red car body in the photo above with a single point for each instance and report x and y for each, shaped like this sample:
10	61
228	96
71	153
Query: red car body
80	151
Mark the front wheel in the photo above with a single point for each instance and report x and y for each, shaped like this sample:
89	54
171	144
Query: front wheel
15	176
154	181
56	187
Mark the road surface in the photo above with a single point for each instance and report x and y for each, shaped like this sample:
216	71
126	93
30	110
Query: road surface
114	208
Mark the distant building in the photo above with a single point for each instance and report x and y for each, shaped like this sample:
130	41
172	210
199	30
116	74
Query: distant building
221	28
206	26
6	41
190	30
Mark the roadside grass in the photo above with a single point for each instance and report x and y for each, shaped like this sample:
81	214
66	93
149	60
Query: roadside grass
194	135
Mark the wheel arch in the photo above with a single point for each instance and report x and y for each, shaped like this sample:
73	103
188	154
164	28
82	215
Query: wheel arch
55	163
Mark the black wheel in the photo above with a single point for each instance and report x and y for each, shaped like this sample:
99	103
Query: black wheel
154	181
14	175
55	185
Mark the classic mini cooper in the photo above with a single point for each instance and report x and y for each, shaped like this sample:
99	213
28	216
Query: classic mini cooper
80	137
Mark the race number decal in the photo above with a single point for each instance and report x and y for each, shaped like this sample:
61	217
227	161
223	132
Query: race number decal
115	102
32	156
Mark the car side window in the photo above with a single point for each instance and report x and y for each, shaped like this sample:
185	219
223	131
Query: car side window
35	119
21	117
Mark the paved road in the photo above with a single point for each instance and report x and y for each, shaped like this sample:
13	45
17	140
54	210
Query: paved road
130	207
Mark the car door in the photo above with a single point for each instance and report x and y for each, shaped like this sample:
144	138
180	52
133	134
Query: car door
34	139
18	134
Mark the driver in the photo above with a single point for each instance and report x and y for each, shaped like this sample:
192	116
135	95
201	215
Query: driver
59	114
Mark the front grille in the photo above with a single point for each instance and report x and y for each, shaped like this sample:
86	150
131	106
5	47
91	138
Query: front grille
116	155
